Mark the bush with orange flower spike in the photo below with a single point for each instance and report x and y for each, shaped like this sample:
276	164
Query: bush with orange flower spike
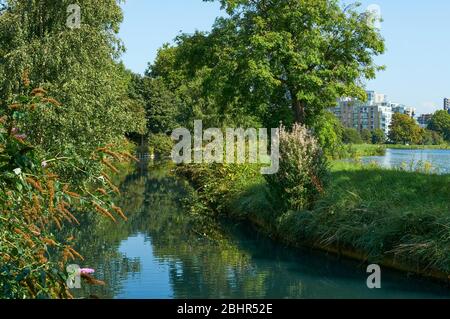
34	199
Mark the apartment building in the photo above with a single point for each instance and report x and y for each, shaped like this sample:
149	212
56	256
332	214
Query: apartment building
424	119
447	105
376	113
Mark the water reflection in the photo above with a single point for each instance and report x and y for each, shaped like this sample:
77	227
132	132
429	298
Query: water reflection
412	159
158	254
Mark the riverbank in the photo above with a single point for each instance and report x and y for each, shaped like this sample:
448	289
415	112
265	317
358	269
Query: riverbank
398	219
363	150
418	147
360	150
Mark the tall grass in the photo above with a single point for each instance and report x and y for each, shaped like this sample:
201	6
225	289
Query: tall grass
382	213
360	150
419	147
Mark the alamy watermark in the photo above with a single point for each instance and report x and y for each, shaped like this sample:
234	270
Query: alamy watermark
374	280
374	17
231	146
74	16
73	276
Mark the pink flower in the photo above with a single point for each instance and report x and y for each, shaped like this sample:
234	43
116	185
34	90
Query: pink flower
87	271
20	136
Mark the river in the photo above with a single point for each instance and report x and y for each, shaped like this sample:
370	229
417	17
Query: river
155	254
439	160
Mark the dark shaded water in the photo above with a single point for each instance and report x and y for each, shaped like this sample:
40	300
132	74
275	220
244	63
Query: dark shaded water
157	255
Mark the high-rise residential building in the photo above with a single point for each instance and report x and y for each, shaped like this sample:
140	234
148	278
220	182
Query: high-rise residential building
403	109
375	98
376	113
371	115
447	105
424	119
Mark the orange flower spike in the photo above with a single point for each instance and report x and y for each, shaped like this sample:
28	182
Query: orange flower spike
112	167
38	92
119	211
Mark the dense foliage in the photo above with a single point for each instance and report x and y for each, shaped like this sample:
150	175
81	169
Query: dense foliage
440	123
58	142
34	201
77	67
270	61
351	136
303	169
405	130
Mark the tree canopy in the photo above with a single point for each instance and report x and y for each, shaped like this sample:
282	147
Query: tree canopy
440	123
272	61
78	67
405	130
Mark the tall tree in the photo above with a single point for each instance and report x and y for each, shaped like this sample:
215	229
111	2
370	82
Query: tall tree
378	136
440	123
351	136
405	130
305	53
77	66
161	106
366	135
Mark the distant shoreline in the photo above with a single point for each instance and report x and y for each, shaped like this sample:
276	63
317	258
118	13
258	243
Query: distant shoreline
417	147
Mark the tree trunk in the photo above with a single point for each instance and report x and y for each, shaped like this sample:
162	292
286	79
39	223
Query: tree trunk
299	111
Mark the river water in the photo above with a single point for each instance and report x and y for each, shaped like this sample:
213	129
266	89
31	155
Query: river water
439	160
157	255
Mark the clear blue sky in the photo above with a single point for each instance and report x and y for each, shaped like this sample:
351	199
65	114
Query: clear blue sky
417	37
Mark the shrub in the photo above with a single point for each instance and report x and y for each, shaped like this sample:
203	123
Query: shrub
366	136
328	131
161	145
378	136
34	200
432	138
303	169
351	136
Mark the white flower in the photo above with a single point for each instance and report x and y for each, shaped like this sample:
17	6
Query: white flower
18	171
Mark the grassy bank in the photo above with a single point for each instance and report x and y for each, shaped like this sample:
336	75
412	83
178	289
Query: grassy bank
395	218
419	147
361	150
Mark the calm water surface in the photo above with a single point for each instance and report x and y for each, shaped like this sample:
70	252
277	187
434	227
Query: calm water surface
157	255
411	159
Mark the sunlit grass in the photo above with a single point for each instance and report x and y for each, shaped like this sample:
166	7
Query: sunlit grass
379	212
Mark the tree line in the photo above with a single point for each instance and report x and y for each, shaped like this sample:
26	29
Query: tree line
265	63
403	130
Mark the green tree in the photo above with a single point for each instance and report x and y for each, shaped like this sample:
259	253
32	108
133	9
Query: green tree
161	106
378	136
405	130
440	122
366	136
64	106
271	61
296	53
351	136
196	70
432	138
78	67
328	131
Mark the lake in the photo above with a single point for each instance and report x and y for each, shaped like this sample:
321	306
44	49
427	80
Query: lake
158	254
412	159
